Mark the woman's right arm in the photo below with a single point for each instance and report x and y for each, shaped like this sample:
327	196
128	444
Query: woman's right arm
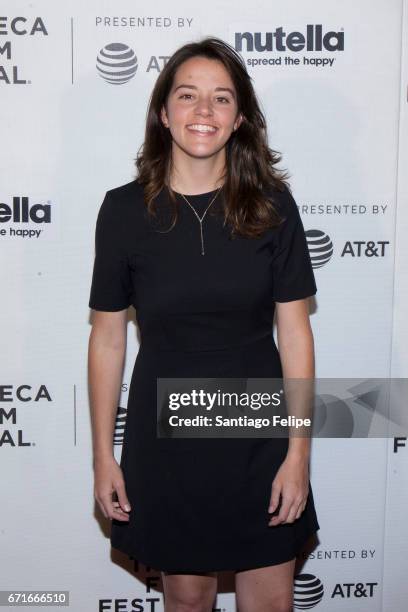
106	356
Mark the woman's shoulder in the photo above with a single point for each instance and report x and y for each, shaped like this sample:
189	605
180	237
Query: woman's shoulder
121	211
280	192
128	193
124	203
282	199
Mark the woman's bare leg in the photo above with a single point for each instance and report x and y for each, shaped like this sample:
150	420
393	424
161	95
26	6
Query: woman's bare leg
189	592
266	589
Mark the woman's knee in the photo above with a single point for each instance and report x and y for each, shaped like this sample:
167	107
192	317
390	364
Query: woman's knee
187	605
185	593
283	605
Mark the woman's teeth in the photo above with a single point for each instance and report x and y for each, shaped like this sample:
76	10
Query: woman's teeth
201	128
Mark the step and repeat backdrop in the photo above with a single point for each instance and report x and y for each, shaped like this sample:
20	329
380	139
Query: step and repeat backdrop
331	79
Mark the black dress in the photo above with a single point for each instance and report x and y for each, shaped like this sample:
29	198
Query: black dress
199	505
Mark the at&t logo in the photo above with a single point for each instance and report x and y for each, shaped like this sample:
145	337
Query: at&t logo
347	590
320	247
363	248
308	591
120	423
116	63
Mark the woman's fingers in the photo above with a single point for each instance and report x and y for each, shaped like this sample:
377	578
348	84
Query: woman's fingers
119	515
294	512
275	495
111	509
301	509
283	512
122	497
110	491
289	512
119	509
116	513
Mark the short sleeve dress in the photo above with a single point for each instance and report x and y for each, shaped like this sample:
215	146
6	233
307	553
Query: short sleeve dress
199	504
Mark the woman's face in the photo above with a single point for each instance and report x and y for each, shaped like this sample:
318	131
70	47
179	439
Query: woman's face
202	109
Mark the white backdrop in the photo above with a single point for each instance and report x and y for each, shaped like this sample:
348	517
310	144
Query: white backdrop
340	118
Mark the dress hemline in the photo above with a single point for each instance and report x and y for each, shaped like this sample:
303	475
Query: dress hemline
223	567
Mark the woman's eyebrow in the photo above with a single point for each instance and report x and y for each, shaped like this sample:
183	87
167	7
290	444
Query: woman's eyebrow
216	89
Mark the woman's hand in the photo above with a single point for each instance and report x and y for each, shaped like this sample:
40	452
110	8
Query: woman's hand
292	483
109	479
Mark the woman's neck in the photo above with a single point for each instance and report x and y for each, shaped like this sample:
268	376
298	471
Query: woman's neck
194	175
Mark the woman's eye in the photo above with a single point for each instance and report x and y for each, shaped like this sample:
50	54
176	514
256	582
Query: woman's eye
222	99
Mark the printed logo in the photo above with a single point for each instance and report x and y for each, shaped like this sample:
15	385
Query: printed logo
363	248
308	591
320	247
116	63
313	40
313	46
399	442
25	217
120	423
11	431
347	590
10	72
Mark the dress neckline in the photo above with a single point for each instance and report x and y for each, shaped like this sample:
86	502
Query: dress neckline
197	195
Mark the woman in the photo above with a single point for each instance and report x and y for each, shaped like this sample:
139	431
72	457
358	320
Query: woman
205	243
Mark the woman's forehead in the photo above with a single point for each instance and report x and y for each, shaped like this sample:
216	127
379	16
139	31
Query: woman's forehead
202	70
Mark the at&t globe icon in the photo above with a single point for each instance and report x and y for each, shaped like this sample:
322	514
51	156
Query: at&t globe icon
116	63
320	247
308	591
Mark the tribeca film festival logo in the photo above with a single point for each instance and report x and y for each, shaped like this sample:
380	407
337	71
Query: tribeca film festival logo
23	396
321	248
22	217
309	591
11	73
314	39
150	601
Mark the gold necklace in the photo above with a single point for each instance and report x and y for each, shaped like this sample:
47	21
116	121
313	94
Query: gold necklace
200	219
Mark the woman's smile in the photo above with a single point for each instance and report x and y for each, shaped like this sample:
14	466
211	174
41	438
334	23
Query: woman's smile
202	129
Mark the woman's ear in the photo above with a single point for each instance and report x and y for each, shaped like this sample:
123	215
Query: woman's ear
238	121
163	116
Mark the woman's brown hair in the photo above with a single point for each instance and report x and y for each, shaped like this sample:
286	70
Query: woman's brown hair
250	162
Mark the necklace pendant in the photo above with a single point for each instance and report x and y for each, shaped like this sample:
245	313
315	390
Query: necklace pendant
200	219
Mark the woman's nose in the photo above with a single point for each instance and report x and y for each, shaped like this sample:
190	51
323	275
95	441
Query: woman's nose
204	106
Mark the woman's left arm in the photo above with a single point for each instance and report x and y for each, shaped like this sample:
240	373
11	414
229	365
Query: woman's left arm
296	349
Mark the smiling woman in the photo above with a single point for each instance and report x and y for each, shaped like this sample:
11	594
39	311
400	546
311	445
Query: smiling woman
203	505
201	121
214	127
